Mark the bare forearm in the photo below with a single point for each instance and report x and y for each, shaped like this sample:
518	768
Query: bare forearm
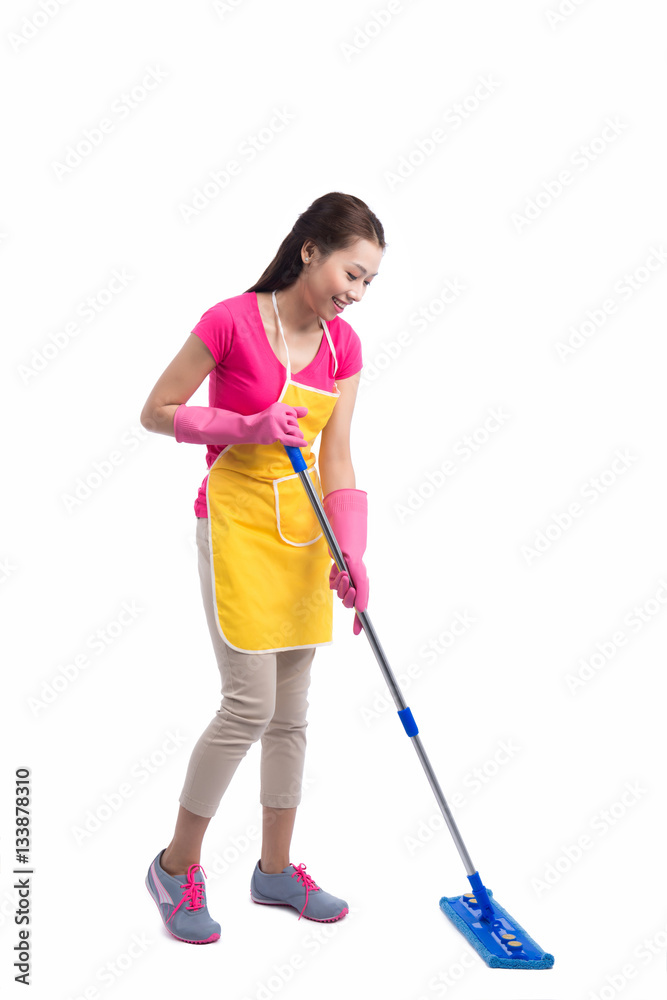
336	475
161	419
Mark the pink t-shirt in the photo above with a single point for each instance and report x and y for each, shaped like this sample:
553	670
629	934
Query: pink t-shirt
248	376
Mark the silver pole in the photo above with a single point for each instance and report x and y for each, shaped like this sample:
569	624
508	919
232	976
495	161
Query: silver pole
388	674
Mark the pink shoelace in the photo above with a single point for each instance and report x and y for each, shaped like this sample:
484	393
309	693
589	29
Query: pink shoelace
307	880
193	891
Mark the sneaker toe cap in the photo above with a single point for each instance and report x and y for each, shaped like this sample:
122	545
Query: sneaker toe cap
324	906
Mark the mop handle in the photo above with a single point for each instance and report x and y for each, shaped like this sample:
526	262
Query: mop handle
405	715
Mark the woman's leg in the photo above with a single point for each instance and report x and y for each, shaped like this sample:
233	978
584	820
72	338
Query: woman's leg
282	760
283	756
277	827
248	702
185	847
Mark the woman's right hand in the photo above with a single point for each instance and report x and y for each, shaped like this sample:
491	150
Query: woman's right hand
278	422
212	425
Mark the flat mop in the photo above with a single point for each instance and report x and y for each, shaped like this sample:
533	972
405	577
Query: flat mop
492	932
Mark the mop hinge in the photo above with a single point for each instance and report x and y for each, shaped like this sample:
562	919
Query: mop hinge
481	895
409	724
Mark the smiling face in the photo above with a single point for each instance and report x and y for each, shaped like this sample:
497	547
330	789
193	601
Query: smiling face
344	275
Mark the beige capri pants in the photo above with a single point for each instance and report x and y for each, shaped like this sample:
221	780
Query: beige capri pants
263	697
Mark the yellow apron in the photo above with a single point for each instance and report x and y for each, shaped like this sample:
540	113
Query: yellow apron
269	559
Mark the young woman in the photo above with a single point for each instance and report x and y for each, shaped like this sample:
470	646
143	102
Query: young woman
284	366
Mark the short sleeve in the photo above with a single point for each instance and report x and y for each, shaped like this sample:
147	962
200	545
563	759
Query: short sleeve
349	356
215	329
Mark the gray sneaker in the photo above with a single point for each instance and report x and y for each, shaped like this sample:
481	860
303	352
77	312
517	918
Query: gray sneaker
293	887
182	905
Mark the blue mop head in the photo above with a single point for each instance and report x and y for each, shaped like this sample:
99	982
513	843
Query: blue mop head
501	942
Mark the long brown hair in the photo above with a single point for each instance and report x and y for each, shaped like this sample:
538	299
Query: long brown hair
333	222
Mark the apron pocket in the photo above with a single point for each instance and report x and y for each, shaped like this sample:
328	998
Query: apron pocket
295	518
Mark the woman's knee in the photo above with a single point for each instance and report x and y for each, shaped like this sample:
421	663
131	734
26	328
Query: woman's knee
286	729
250	719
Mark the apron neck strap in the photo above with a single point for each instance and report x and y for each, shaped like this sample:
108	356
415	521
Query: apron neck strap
289	366
282	334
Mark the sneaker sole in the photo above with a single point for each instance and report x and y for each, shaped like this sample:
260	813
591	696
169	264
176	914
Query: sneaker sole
320	920
208	940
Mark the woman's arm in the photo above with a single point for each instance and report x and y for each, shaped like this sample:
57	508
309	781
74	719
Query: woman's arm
334	459
177	383
347	512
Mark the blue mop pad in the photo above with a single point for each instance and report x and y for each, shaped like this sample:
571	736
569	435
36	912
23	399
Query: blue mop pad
500	940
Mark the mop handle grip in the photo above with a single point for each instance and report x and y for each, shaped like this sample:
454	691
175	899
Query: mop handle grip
296	458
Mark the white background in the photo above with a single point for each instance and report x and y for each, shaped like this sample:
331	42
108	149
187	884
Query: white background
365	92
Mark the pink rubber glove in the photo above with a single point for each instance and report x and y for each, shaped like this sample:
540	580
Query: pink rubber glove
211	425
347	513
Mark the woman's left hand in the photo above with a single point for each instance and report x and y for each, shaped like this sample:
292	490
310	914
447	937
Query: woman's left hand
353	592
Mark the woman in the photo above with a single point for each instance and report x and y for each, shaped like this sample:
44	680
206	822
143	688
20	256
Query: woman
284	366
